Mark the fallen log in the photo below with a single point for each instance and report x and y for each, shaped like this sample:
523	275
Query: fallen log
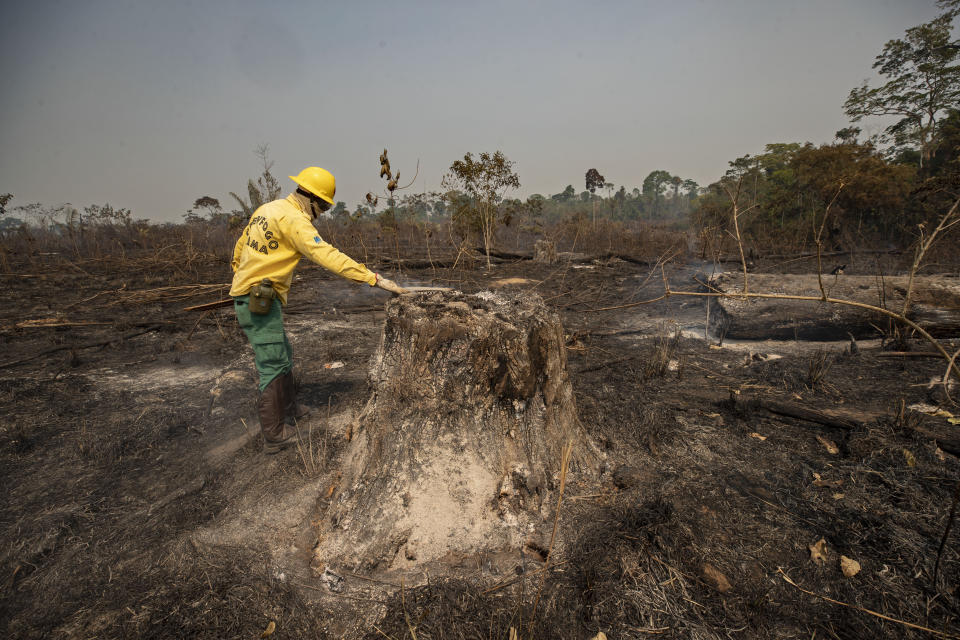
935	306
835	418
506	255
843	418
418	263
625	258
754	255
847	419
909	354
857	419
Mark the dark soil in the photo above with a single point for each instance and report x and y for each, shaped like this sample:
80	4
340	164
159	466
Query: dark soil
138	502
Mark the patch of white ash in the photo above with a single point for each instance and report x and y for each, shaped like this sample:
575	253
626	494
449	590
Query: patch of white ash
156	377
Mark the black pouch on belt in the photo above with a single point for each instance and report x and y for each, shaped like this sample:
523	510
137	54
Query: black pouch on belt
261	297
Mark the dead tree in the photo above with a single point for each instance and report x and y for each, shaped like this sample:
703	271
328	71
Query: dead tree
458	449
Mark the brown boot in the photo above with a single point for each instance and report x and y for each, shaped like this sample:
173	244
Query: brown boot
276	434
293	410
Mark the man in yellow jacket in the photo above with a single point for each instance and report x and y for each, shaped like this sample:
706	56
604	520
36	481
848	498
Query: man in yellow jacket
277	236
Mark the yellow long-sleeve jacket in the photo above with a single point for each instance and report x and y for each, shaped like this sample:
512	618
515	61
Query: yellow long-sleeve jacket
271	245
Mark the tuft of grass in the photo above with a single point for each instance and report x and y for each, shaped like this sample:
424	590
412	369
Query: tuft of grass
664	351
313	455
818	366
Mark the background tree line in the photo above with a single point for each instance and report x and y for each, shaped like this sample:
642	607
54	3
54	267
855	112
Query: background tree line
881	188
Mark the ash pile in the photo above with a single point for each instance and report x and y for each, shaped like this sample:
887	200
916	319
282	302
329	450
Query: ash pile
458	449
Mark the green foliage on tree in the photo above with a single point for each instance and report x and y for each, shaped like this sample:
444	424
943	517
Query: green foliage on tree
594	180
339	210
922	83
4	201
653	187
205	208
566	195
478	187
788	186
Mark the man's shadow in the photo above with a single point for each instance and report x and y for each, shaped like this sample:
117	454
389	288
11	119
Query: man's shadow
332	392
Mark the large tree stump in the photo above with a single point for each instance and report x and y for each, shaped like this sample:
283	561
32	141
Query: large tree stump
935	306
458	449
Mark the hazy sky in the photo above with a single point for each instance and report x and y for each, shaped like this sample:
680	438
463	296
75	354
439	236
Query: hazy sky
149	105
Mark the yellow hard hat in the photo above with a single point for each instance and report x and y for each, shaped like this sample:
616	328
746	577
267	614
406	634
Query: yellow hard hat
317	181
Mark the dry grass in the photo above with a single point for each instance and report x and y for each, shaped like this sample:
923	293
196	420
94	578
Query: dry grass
818	366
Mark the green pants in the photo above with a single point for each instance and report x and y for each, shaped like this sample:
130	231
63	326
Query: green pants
272	352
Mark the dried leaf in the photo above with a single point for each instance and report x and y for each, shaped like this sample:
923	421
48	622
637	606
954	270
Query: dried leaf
820	482
758	436
849	567
271	627
829	445
818	551
936	412
838	496
600	636
908	456
715	578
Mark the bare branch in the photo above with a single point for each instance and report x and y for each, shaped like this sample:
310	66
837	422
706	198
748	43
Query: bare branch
819	236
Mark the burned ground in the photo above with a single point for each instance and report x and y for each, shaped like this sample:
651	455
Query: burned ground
138	503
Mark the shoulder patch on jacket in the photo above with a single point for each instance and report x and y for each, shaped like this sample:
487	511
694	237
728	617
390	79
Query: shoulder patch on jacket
317	239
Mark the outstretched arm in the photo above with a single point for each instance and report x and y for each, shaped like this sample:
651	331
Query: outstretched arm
309	243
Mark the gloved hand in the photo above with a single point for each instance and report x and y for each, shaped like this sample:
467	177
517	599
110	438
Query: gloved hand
389	285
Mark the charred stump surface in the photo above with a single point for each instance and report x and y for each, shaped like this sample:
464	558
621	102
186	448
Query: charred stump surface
458	449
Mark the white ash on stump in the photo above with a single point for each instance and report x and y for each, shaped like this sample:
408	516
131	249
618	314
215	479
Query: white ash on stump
458	449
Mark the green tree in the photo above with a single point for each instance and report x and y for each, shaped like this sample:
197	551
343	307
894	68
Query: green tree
4	201
339	210
653	186
848	135
204	208
923	81
593	182
485	181
566	195
795	183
